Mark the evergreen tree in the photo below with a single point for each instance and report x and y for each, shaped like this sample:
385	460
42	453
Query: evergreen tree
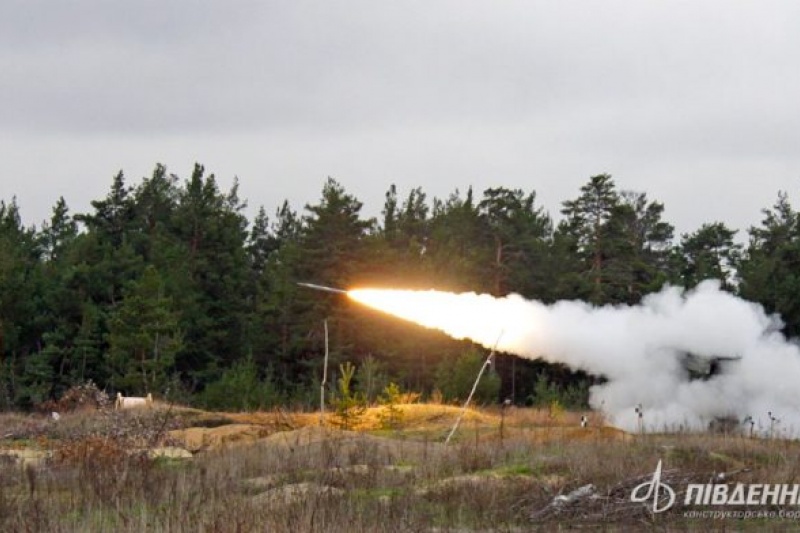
455	379
275	332
241	388
371	378
114	215
398	251
412	224
459	250
49	367
708	253
520	235
20	326
108	260
154	204
330	251
166	280
349	406
332	237
586	225
58	235
88	348
212	232
639	245
768	272
621	242
390	214
261	243
144	336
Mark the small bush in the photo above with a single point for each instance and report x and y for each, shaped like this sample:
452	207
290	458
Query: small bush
93	452
241	388
456	379
371	379
556	410
545	392
392	416
76	398
349	406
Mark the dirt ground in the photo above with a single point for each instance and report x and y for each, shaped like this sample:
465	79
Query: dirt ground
419	421
513	470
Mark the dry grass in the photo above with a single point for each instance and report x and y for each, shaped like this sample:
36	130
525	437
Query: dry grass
297	476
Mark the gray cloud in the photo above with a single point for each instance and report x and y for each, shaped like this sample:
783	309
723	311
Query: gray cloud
692	102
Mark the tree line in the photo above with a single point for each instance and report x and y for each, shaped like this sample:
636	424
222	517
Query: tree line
165	286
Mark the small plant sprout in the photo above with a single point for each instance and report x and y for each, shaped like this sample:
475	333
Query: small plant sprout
349	406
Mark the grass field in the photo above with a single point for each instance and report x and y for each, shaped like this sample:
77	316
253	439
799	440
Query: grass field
101	470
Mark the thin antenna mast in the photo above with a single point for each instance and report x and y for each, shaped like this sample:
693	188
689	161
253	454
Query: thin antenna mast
474	387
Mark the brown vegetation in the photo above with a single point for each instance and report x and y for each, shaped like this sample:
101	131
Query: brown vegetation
288	473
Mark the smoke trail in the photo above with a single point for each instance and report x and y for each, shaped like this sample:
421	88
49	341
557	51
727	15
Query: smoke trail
641	349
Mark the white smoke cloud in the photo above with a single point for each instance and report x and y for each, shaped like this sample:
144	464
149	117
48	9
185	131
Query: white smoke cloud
641	349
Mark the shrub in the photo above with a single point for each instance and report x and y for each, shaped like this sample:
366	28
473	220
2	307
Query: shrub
349	406
240	388
370	379
391	416
546	392
78	397
456	379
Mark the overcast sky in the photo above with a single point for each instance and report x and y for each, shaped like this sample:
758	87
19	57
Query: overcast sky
696	103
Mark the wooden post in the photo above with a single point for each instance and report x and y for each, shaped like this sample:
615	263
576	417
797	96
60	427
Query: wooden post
324	379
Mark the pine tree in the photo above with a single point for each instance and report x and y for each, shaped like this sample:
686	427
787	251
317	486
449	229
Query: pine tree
708	253
330	251
349	406
622	244
143	336
586	223
212	231
638	248
768	272
20	323
459	250
520	235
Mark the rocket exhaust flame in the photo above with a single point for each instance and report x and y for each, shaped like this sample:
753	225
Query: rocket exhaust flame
477	317
640	349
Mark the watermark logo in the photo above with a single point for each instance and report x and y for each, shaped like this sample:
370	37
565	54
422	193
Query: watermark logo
652	490
776	495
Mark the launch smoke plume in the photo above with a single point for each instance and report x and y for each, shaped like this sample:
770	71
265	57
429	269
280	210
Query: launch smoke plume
641	350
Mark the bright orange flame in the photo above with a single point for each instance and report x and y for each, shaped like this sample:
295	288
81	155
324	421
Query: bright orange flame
478	317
